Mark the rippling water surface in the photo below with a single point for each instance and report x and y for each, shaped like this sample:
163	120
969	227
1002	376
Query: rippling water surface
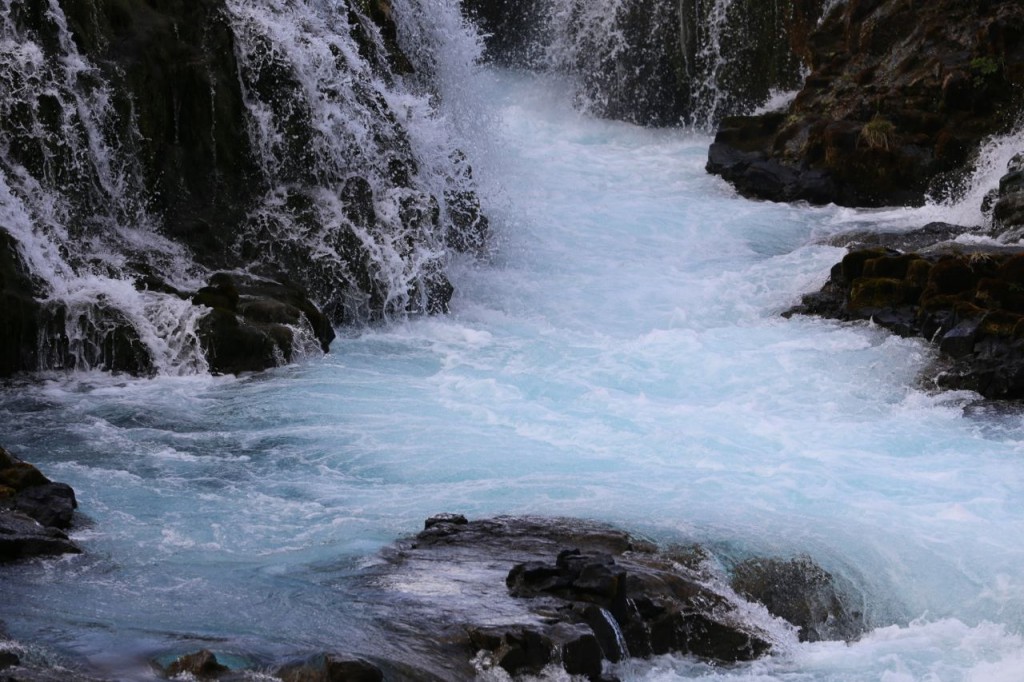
620	357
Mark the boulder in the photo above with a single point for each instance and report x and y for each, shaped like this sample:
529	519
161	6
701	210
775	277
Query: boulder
256	323
22	537
801	592
202	665
25	489
526	593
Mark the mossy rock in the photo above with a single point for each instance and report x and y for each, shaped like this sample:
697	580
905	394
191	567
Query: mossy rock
1000	323
880	292
952	275
895	267
853	263
17	475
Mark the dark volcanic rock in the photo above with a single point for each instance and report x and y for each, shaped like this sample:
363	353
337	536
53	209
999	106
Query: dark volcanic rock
331	668
22	537
202	665
25	489
802	593
899	97
525	593
1008	209
33	510
257	323
19	311
660	62
971	303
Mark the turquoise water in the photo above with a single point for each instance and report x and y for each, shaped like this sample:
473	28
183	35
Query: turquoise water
620	356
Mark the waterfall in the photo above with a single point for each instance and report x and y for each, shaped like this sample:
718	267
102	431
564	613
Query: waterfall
658	63
137	158
70	196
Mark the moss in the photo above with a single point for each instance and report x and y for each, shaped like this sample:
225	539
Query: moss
880	292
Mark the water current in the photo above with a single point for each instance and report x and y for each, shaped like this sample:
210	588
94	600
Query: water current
620	356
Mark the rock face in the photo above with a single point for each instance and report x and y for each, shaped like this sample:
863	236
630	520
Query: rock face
19	310
1008	208
160	142
899	96
523	594
34	511
969	303
257	323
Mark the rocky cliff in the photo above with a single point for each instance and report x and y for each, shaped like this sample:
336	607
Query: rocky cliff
146	146
899	96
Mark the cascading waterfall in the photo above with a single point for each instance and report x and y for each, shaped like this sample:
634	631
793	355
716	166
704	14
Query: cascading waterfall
70	195
665	62
346	204
710	98
337	198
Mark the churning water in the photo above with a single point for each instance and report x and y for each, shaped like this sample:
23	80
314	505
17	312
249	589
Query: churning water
620	357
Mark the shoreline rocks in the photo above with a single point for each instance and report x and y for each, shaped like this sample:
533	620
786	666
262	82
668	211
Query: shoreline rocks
968	302
34	512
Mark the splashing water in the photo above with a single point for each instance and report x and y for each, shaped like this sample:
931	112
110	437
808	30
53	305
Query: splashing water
621	358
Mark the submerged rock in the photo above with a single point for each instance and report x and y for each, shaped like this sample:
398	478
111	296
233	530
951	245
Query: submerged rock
202	664
331	668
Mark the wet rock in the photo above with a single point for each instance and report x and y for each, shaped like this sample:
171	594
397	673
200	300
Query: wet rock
661	62
801	592
33	510
970	302
22	537
331	668
257	323
202	664
25	489
1008	208
899	97
19	311
533	592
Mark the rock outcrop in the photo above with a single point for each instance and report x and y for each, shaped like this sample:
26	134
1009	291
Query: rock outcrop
256	323
899	97
523	594
34	512
969	301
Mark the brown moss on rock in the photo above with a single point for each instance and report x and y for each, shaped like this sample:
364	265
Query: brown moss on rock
970	305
